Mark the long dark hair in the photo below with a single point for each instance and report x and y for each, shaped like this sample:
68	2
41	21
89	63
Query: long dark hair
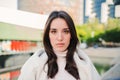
52	64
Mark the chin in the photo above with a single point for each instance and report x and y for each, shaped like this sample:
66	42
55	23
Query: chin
61	50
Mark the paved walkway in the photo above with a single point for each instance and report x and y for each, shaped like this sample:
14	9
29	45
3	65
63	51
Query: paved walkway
106	56
103	55
113	73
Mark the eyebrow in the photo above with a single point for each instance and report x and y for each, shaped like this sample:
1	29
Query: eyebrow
55	28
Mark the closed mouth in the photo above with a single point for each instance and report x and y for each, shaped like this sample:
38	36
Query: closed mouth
60	44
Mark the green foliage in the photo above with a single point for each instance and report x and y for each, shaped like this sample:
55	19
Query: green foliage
82	32
112	35
92	31
88	32
112	24
102	68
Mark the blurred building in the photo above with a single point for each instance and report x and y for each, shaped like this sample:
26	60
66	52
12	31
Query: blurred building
80	10
16	46
101	9
73	7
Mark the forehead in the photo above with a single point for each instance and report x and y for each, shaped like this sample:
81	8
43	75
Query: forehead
58	23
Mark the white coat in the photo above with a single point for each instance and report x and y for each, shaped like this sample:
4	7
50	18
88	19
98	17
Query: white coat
36	69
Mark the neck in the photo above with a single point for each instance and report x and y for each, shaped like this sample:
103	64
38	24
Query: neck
61	53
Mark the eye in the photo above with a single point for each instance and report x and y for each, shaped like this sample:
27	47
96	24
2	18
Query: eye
53	31
66	31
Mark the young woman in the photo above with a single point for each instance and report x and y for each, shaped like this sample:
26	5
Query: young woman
61	58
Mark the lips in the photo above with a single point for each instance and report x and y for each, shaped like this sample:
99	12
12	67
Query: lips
60	44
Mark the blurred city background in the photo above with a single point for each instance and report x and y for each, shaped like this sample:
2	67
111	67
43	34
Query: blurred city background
97	23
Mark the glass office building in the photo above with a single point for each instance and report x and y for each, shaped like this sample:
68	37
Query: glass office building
97	10
111	11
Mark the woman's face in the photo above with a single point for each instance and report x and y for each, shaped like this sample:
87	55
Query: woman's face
59	35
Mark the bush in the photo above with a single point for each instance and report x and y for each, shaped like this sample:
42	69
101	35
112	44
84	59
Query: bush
89	33
92	31
112	35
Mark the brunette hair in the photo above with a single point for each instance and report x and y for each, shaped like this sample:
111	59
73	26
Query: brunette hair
52	64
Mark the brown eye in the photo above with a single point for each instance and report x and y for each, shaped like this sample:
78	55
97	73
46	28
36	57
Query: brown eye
53	31
66	31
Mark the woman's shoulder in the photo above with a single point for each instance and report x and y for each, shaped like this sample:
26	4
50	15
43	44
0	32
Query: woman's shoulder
38	53
36	59
82	54
33	65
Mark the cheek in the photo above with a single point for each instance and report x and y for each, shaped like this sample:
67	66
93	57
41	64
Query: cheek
52	39
68	38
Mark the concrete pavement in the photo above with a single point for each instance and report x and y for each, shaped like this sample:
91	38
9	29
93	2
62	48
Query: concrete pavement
103	55
110	56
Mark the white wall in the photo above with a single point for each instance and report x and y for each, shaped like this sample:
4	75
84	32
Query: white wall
9	4
22	18
109	1
88	7
81	12
117	11
104	12
10	14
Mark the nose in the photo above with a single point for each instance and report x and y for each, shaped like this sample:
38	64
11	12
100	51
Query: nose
60	36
